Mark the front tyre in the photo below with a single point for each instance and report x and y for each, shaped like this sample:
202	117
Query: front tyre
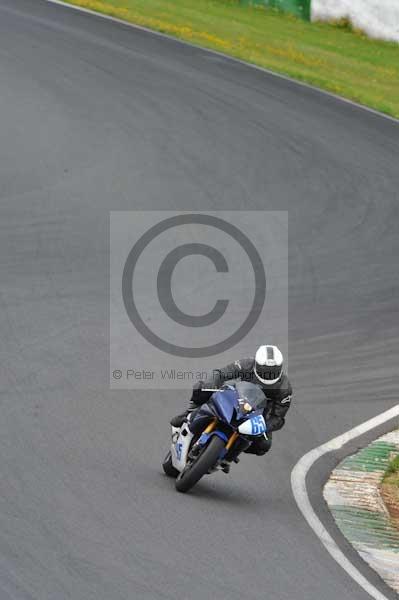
168	467
206	460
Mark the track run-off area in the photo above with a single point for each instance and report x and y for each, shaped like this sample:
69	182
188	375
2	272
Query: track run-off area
98	116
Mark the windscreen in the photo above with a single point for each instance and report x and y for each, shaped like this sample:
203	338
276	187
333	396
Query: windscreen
250	392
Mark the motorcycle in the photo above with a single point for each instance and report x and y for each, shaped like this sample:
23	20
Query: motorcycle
213	436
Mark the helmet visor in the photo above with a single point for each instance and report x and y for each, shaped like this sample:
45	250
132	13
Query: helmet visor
267	373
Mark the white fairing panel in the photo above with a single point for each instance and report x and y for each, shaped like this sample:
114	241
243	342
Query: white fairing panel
254	426
181	439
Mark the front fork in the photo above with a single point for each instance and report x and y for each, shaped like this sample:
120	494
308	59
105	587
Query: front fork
232	439
211	426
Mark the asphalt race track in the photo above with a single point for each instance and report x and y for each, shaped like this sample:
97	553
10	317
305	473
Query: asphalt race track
96	116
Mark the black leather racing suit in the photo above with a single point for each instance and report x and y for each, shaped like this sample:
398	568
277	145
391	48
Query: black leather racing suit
278	397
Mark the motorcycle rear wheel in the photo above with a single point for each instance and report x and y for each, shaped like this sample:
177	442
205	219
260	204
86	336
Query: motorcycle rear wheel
187	479
168	467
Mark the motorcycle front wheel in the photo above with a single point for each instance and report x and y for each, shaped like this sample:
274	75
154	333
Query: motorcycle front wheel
187	479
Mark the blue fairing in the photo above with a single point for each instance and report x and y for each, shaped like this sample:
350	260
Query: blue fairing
225	403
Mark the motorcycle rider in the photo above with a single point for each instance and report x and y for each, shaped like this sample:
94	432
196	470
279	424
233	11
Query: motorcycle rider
265	370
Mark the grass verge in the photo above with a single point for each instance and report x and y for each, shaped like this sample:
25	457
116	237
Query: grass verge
392	473
390	490
331	57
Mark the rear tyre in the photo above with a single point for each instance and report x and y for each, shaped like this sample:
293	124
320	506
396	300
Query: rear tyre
206	460
168	467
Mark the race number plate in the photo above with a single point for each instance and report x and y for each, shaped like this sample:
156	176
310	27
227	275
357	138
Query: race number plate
254	426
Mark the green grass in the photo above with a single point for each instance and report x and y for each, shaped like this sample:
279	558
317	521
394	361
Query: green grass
392	473
332	57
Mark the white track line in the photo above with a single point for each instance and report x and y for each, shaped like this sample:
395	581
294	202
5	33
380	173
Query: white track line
222	54
298	483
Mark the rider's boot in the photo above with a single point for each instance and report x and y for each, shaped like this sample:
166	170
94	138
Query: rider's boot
240	446
232	456
225	466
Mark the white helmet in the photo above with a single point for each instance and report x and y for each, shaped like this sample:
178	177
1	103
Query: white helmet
268	364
